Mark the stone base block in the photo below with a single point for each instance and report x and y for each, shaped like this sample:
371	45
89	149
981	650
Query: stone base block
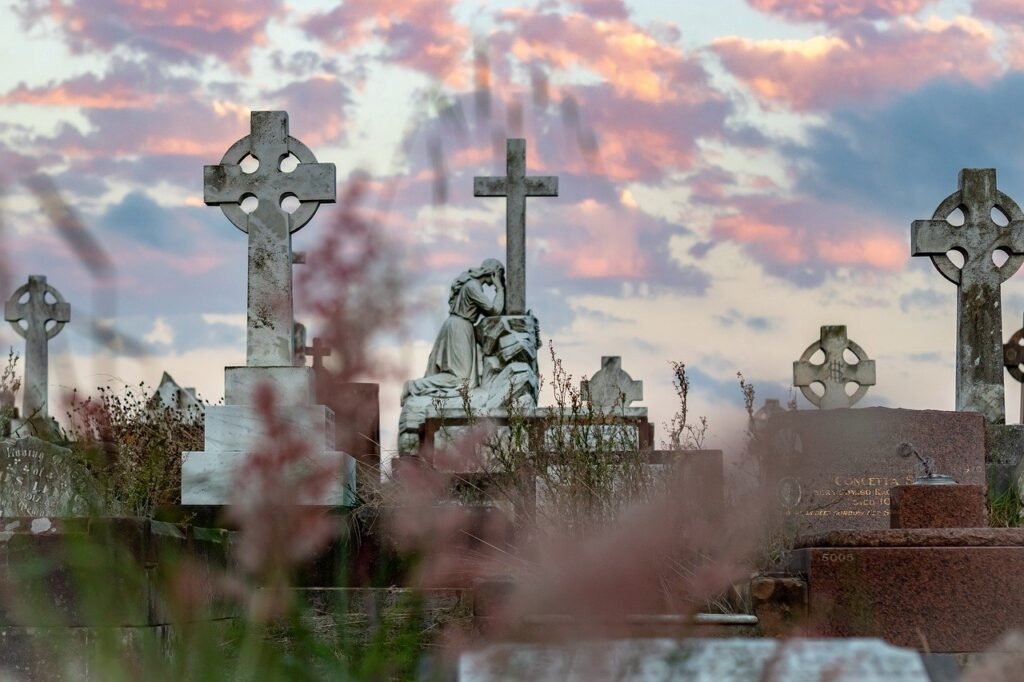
241	427
291	385
937	506
945	591
208	478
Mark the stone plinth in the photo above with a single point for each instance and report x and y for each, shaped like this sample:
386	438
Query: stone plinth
834	469
356	408
941	590
237	428
937	506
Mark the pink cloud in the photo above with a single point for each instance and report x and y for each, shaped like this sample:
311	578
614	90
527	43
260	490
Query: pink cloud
788	234
420	34
999	10
833	11
861	63
173	30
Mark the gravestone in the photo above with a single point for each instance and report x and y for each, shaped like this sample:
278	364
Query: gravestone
36	312
611	388
835	372
169	394
979	346
38	478
507	339
1013	359
235	428
696	660
833	469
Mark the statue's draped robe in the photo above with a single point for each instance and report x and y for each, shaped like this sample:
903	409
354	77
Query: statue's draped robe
454	359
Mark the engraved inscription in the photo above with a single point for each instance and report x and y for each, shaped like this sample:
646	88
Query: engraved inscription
852	496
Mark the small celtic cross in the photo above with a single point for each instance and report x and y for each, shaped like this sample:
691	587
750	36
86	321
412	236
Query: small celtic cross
835	372
36	312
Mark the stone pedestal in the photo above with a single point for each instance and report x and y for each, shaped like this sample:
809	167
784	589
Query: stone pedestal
940	590
236	428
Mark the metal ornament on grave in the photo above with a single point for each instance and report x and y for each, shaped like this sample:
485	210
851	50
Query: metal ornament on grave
269	337
516	186
835	372
36	313
980	356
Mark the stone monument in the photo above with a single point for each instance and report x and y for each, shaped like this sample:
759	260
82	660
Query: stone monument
979	346
835	372
611	388
36	312
236	427
485	355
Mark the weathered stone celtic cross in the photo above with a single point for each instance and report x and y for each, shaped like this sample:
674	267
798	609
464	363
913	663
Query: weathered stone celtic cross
1013	357
979	347
835	372
269	225
36	312
516	186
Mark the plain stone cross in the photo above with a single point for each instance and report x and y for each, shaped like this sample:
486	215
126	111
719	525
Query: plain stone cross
611	386
516	186
835	372
979	347
270	319
36	312
318	351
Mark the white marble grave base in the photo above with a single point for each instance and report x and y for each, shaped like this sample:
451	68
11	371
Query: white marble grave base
291	385
209	478
241	427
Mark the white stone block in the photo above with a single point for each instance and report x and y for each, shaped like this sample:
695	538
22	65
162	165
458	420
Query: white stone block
241	427
209	478
291	385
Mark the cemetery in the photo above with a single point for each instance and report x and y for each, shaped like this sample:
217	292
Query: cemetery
494	516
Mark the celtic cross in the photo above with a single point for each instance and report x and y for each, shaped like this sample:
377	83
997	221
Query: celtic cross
36	312
835	372
269	225
516	186
979	347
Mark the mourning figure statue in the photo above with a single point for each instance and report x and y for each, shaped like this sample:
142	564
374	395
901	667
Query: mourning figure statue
454	361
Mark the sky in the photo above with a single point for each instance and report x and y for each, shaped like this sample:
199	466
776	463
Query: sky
733	175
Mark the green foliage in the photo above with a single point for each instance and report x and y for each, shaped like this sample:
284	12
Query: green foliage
1004	508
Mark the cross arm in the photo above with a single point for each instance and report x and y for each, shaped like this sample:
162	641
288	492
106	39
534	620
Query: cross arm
312	182
225	184
490	187
928	237
862	373
805	374
542	186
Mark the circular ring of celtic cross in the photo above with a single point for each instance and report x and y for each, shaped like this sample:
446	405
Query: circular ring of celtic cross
1013	355
1010	209
21	291
243	147
813	397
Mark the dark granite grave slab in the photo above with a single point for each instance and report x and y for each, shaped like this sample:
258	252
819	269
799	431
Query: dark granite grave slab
833	468
108	572
940	590
937	506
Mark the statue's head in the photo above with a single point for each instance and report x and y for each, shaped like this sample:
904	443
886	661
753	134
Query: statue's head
492	267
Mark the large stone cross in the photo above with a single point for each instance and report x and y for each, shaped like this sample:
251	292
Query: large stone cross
835	372
36	312
516	186
979	346
269	225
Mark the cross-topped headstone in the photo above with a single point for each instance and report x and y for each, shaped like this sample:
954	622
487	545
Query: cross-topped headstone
611	387
318	351
269	338
36	312
516	186
835	372
979	347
